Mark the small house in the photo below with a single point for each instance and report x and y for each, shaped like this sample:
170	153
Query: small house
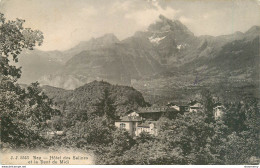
194	106
129	122
182	107
218	111
135	124
148	127
154	113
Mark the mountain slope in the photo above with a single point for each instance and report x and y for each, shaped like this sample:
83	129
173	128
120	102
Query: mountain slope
166	57
118	63
36	63
40	65
86	97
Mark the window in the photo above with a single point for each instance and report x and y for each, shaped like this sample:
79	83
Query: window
122	125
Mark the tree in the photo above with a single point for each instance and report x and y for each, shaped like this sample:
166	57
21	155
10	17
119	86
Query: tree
112	154
145	137
242	116
236	137
208	105
217	142
106	107
190	135
150	153
234	117
23	111
13	39
237	150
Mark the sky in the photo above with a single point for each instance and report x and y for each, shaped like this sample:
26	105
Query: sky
67	22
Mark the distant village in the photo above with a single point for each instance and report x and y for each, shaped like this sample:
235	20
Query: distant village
145	119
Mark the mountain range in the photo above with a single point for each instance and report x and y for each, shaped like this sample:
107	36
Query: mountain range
167	55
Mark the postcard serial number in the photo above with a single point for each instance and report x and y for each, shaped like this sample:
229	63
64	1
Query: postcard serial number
19	157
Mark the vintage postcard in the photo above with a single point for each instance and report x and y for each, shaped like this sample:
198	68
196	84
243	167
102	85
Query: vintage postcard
129	82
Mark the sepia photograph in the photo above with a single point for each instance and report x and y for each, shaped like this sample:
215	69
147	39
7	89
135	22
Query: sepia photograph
129	82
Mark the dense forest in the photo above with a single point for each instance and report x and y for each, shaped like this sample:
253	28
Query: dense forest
27	113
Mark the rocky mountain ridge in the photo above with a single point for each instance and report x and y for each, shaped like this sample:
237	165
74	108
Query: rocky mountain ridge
167	47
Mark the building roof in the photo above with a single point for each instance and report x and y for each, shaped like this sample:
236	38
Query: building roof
177	104
132	114
147	124
194	102
130	118
144	125
155	109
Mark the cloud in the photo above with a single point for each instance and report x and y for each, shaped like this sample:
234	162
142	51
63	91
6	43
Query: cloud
67	22
220	17
121	6
88	11
148	15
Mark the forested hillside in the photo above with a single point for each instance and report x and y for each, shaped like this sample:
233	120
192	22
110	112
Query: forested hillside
86	98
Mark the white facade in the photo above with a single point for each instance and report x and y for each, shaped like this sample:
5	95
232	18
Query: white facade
130	126
195	107
149	129
133	124
218	112
175	107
